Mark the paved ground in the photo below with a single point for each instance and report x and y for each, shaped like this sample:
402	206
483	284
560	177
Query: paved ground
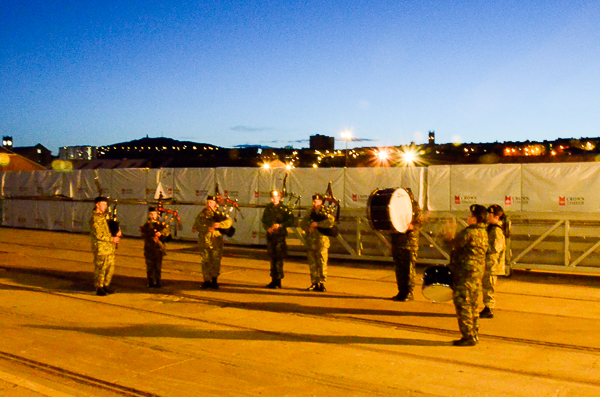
60	339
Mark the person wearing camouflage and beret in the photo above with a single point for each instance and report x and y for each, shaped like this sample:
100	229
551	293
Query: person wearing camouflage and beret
209	223
276	218
494	259
103	247
155	234
467	263
405	247
314	224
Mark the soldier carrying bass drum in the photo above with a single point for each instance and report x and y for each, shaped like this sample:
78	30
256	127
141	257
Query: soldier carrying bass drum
396	211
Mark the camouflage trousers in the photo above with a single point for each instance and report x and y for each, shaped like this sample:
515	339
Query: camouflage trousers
465	296
317	263
210	259
404	265
277	250
154	267
489	288
104	267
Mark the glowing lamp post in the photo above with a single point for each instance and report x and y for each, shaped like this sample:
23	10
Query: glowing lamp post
346	135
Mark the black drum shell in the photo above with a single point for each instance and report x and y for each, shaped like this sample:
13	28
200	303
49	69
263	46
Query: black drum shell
437	275
378	209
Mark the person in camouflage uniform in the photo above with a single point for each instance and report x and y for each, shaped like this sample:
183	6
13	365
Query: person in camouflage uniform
314	224
103	247
494	258
467	263
209	223
155	234
276	218
405	247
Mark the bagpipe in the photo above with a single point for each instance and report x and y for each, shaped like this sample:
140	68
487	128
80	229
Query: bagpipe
225	206
331	206
291	200
166	216
113	222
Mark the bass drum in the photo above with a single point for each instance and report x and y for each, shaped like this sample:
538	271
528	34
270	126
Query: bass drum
437	283
390	209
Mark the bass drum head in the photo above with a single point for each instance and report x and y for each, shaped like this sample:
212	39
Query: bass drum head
401	211
437	284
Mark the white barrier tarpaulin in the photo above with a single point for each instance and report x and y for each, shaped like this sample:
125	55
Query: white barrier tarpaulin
307	181
160	182
485	184
82	213
20	184
192	185
239	183
566	187
51	184
361	182
85	186
438	188
23	214
129	183
53	215
270	179
246	227
131	217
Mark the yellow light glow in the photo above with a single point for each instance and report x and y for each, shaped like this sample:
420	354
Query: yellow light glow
266	166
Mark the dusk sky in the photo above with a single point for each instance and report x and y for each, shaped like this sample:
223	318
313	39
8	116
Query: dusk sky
273	73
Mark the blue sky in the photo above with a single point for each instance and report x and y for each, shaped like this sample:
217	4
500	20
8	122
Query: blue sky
274	73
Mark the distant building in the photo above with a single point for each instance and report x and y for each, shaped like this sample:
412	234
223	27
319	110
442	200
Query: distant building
7	142
38	154
78	153
322	142
431	138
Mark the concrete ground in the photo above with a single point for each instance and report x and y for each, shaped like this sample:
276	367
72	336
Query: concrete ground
60	339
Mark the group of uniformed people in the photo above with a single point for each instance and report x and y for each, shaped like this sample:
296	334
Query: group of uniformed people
477	252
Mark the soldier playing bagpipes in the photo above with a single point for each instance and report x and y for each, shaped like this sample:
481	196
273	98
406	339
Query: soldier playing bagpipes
318	225
155	233
211	224
105	235
276	218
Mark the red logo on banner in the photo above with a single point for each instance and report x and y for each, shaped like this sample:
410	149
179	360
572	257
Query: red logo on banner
226	193
507	200
254	234
255	194
170	191
562	201
354	197
197	192
456	199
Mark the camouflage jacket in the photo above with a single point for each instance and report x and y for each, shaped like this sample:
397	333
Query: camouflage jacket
205	220
316	239
149	230
468	250
279	213
102	242
496	254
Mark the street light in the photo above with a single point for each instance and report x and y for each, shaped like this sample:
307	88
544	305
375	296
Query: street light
347	136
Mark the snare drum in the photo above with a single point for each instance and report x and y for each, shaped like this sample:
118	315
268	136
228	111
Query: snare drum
390	209
437	283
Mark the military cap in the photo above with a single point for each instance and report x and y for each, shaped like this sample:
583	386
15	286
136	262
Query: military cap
317	196
211	197
151	209
273	193
100	199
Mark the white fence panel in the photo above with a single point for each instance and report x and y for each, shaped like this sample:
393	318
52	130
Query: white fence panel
308	181
82	213
51	183
192	185
25	213
270	179
160	181
485	185
438	188
238	183
129	183
561	188
84	185
53	215
131	217
19	184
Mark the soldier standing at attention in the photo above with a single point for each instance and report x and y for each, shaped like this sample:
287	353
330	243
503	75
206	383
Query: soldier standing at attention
467	263
276	218
405	247
154	233
210	240
315	224
494	259
103	247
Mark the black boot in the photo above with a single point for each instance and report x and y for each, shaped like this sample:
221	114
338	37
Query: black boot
108	290
486	313
157	284
313	287
275	283
321	288
206	285
214	284
465	341
151	283
101	292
